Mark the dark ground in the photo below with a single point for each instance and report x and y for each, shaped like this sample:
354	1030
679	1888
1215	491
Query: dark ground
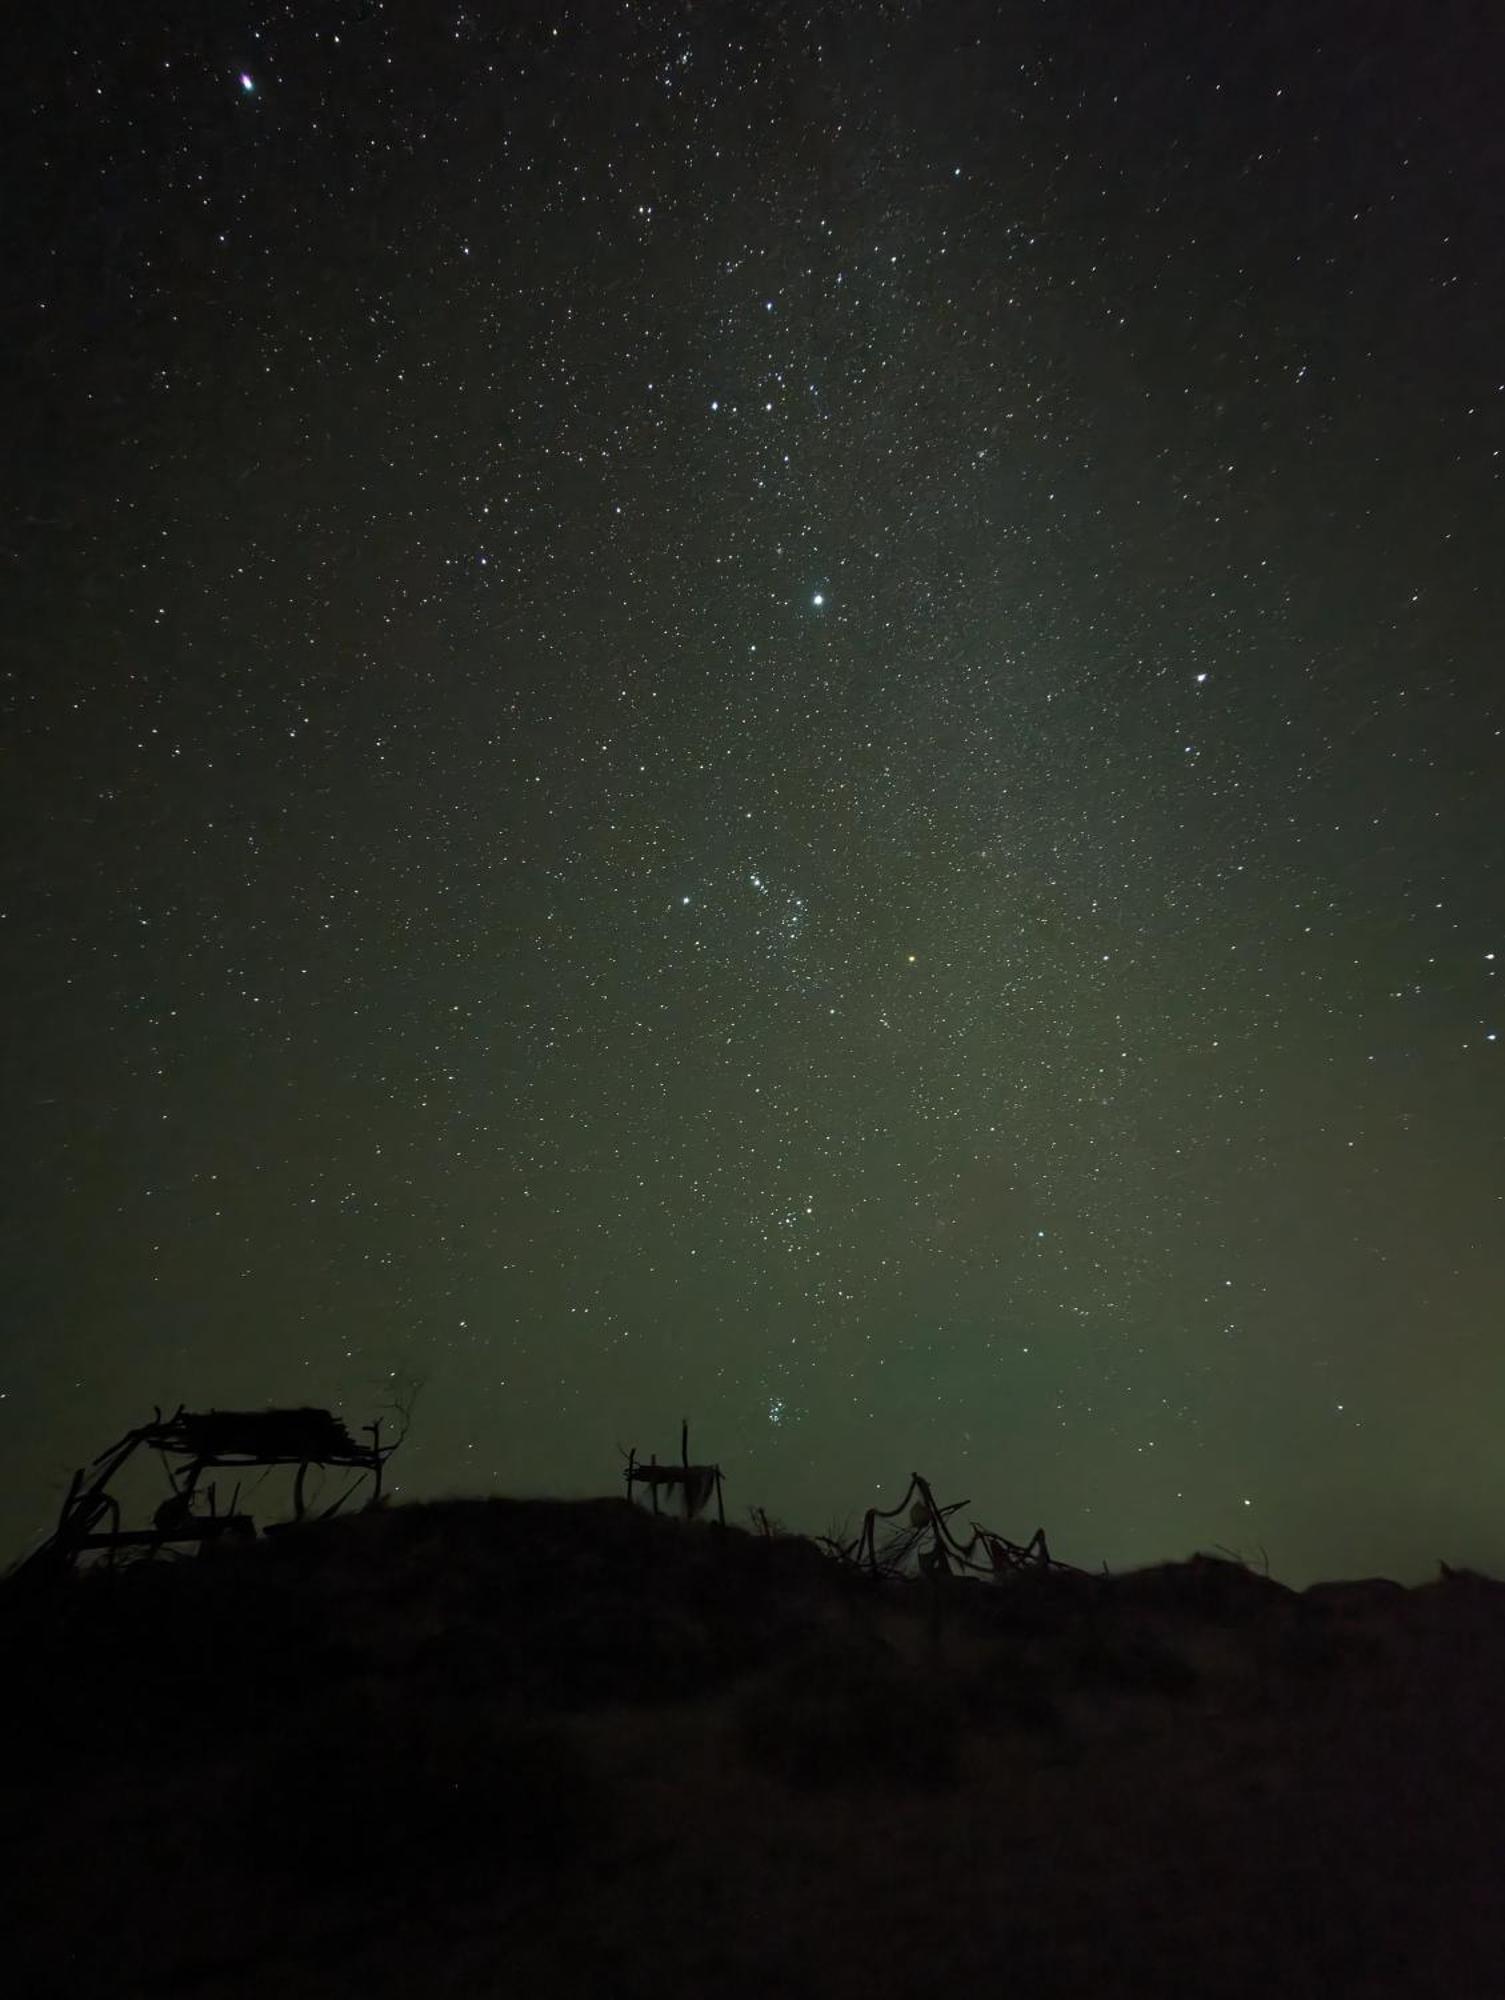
477	1748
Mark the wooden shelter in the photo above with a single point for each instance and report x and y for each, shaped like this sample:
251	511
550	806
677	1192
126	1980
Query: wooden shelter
190	1444
694	1483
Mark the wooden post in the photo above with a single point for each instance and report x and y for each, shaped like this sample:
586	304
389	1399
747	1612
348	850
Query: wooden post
65	1516
720	1508
653	1483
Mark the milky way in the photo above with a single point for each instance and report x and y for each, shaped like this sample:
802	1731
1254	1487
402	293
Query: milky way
786	714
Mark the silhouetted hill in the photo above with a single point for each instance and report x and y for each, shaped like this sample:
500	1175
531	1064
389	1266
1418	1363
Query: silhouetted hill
484	1747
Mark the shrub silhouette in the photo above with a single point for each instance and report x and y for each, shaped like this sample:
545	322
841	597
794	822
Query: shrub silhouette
1035	1601
211	1652
1216	1590
1011	1690
609	1649
1313	1649
1132	1663
369	1787
841	1715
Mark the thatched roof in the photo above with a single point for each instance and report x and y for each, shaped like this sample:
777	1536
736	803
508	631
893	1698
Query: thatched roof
259	1435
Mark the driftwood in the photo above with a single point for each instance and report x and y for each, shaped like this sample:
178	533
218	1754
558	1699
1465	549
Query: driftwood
927	1537
694	1483
189	1444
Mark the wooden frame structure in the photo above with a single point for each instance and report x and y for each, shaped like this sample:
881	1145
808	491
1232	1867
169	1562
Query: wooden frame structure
695	1483
928	1537
190	1444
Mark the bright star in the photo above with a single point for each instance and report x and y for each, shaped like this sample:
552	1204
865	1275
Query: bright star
245	82
818	598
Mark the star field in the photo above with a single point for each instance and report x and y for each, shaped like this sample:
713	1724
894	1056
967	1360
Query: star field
791	714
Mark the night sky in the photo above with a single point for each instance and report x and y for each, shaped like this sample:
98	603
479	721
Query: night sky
785	713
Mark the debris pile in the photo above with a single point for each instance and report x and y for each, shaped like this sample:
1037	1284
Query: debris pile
926	1537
